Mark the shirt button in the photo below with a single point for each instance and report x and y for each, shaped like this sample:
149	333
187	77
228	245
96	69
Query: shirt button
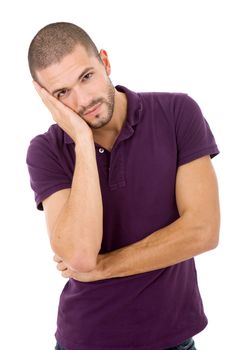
101	150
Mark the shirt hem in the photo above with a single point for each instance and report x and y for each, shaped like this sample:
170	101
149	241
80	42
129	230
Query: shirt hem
158	346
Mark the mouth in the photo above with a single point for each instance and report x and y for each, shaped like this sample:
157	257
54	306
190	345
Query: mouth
93	110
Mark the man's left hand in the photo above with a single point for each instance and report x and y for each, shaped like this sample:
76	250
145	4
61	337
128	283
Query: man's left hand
94	275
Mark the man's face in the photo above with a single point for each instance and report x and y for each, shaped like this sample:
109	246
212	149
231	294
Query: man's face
81	82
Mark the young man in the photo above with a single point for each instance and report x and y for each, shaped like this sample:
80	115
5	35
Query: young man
130	197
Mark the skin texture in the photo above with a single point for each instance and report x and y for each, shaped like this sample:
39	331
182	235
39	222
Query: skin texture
197	229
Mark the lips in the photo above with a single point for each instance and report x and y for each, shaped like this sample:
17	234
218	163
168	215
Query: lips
93	109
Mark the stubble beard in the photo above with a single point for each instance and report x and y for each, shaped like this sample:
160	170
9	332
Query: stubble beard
101	120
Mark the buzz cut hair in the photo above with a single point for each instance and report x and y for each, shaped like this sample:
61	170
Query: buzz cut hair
53	42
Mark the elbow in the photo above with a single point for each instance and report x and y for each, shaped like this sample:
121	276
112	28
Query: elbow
82	263
210	237
77	260
214	240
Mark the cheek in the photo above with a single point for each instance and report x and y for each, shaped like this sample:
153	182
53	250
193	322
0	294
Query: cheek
71	101
99	85
101	81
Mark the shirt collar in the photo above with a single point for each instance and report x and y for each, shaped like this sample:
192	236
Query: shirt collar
134	109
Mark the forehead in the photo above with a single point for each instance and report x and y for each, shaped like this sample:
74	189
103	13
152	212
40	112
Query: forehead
62	74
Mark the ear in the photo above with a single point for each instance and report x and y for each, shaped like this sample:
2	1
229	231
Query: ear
105	60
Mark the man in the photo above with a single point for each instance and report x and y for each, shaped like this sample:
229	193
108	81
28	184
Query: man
130	197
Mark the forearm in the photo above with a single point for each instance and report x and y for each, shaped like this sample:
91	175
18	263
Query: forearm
78	231
168	246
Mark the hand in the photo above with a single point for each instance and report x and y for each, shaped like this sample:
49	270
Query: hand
64	116
94	275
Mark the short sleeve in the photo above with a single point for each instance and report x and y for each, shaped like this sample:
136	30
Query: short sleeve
46	172
193	135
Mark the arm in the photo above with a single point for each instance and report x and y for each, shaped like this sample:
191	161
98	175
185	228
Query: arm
74	217
194	232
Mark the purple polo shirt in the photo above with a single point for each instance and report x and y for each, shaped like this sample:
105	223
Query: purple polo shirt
148	311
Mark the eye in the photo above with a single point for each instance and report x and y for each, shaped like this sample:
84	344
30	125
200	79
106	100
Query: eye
87	76
61	93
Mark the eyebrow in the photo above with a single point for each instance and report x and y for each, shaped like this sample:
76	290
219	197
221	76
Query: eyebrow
80	77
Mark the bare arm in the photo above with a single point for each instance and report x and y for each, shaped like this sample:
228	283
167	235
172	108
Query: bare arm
75	221
195	232
74	217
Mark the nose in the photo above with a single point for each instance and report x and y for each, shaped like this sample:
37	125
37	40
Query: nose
80	99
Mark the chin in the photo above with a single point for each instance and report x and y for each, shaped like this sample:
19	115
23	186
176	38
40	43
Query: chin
100	122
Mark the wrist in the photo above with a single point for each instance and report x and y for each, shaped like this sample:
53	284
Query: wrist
83	140
101	266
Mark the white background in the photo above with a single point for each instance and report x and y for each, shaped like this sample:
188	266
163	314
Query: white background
176	46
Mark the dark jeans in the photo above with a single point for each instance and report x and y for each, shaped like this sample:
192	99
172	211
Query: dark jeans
186	345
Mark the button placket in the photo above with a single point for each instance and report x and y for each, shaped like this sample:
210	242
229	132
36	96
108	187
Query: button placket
103	161
117	167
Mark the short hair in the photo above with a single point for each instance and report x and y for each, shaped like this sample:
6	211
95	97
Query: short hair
54	41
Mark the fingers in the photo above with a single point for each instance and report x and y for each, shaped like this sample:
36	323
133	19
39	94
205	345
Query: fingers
66	274
41	91
50	101
57	258
67	118
37	86
61	266
56	107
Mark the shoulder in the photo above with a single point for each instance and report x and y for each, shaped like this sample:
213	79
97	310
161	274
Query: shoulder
53	135
168	102
48	145
170	106
51	140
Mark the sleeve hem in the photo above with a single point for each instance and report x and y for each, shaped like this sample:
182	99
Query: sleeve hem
212	151
41	197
